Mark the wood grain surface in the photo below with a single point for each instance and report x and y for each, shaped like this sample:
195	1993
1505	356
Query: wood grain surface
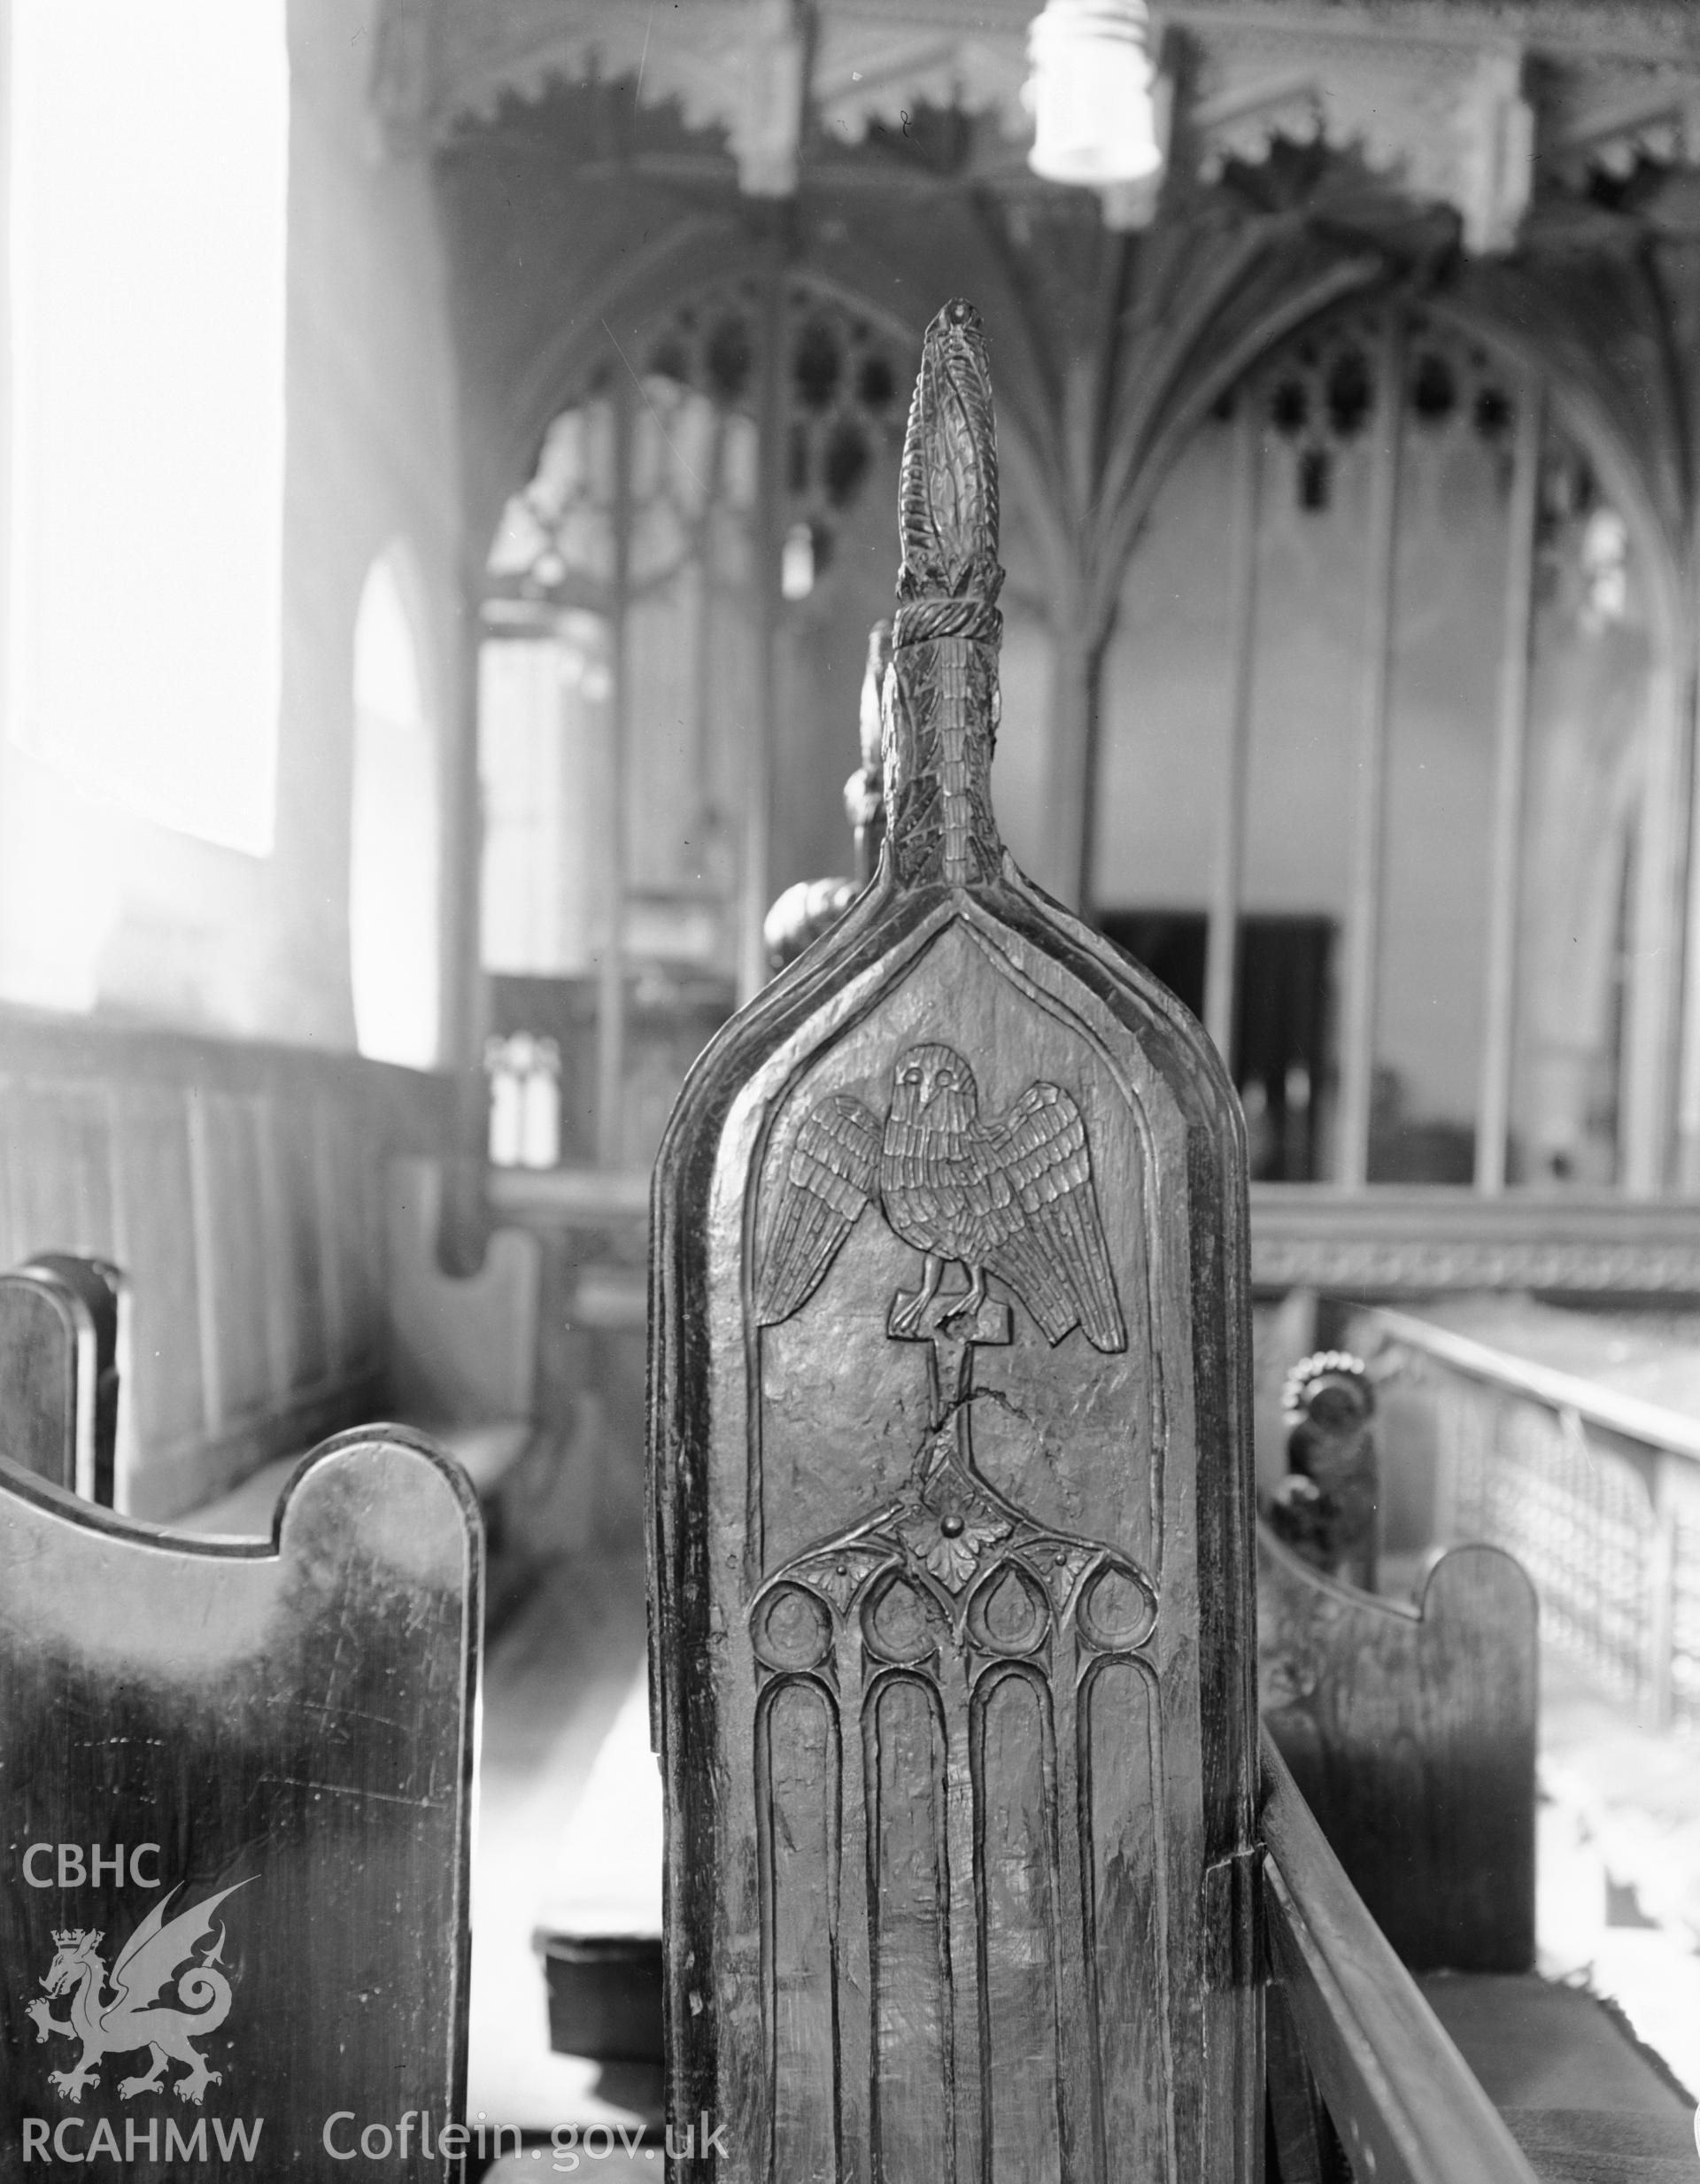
240	1187
1410	1731
100	1419
1403	2099
234	1801
952	1583
49	1377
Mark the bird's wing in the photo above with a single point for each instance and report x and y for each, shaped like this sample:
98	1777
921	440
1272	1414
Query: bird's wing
161	1946
829	1178
1049	1245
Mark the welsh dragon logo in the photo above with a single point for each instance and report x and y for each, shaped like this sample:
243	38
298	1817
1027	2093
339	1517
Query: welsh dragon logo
159	1954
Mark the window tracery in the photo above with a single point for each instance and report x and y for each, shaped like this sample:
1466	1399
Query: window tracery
1322	395
1442	652
644	516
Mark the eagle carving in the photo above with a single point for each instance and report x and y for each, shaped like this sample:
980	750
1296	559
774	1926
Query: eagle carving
1010	1195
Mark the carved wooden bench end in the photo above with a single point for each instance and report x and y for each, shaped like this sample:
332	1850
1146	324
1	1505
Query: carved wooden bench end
953	1585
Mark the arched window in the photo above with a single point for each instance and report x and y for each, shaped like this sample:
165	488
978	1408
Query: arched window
1390	666
394	848
676	621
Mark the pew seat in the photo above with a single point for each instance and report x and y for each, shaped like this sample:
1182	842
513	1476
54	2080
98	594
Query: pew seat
1584	2100
508	1463
276	1214
459	1364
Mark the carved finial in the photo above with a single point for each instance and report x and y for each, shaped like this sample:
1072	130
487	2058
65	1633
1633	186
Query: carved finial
941	698
872	714
864	792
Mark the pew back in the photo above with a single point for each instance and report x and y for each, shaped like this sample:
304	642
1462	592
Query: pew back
101	1403
49	1374
235	1805
240	1187
1409	1729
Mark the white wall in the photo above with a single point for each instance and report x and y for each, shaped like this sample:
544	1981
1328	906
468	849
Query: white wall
102	906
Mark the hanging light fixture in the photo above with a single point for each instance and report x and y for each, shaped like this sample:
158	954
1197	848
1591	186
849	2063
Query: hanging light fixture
1099	115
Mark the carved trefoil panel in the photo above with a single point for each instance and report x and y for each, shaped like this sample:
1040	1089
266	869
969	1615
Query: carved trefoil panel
958	1775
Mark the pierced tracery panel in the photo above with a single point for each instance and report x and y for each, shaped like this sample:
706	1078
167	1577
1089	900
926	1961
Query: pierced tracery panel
1324	398
694	433
645	509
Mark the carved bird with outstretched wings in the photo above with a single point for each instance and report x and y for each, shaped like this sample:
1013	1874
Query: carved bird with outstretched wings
1009	1195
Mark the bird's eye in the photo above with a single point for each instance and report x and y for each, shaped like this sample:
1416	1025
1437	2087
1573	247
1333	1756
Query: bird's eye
911	1076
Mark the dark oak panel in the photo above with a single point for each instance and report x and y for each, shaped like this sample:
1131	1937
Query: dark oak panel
240	1187
952	1621
103	1355
282	1741
1410	1732
1402	2097
48	1372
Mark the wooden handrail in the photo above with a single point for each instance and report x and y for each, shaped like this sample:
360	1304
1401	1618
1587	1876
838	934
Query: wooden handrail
1407	2106
1635	1417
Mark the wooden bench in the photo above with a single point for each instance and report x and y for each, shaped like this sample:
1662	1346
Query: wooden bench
461	1360
1409	1727
276	1215
223	1769
1409	1730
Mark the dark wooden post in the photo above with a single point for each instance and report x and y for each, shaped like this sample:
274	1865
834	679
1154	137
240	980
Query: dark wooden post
49	1371
951	1497
235	1789
93	1360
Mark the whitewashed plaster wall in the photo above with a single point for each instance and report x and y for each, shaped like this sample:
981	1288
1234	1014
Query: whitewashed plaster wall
175	930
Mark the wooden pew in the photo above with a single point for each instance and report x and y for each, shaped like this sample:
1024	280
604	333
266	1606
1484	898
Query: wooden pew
1363	2081
58	1376
460	1366
1410	1730
235	1789
104	1425
1410	1727
278	1291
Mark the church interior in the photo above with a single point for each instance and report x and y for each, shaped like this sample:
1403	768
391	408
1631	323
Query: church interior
501	404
